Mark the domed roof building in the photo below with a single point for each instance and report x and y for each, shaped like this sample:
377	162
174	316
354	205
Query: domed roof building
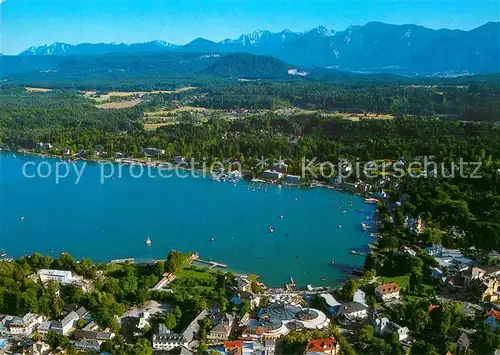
281	318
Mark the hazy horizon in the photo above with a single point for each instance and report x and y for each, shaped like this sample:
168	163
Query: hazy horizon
28	23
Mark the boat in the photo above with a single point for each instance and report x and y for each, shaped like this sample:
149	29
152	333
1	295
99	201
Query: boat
4	254
344	211
370	200
332	262
270	229
22	218
339	226
212	239
324	278
281	217
364	226
148	241
355	252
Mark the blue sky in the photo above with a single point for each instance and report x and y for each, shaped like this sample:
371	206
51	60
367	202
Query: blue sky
37	22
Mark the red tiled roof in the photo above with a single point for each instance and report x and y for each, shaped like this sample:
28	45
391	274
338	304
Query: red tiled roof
232	345
389	288
321	344
432	307
495	314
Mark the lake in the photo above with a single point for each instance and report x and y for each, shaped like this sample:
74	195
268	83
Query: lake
112	220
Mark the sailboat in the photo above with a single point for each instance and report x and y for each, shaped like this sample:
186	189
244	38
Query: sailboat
148	241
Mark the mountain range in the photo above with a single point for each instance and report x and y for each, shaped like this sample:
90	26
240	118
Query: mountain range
374	47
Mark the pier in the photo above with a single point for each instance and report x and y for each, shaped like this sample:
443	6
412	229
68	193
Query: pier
211	264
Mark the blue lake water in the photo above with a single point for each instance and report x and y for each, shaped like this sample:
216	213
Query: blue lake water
112	220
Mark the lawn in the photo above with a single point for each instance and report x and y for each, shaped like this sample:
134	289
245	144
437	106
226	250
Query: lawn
194	281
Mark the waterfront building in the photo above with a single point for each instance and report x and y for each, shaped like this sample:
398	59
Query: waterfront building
243	283
293	179
328	346
388	291
153	151
45	146
62	277
271	174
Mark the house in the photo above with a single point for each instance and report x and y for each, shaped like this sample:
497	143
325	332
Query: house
462	343
271	174
388	291
38	348
328	346
91	334
23	326
164	339
91	340
353	310
252	331
179	160
489	289
292	179
360	297
143	320
280	166
90	345
66	324
493	319
45	146
233	347
194	327
243	284
153	151
250	297
222	327
44	328
384	326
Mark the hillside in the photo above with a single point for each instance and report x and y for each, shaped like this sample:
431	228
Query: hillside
243	65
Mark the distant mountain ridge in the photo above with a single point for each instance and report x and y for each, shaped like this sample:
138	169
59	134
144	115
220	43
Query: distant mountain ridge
374	47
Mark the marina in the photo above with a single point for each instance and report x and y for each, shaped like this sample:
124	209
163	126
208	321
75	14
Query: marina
245	226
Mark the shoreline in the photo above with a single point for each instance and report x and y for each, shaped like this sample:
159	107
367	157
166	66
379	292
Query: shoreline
158	165
345	274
